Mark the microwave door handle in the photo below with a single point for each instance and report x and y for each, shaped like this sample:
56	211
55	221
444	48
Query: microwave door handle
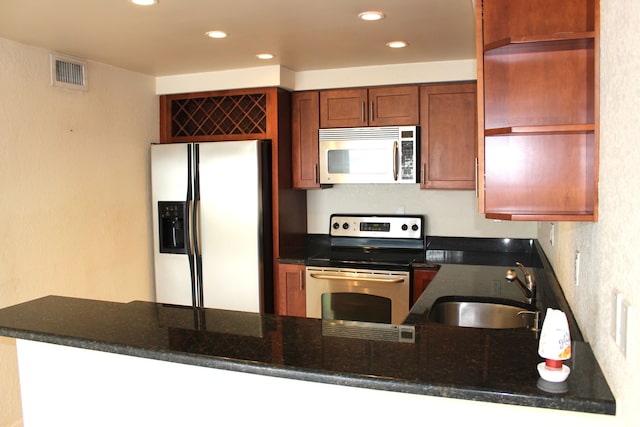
395	160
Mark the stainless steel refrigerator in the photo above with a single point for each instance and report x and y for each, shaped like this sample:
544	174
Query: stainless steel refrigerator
212	224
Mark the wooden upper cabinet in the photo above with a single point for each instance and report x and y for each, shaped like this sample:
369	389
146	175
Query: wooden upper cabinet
219	115
304	139
538	109
393	106
377	106
343	108
448	136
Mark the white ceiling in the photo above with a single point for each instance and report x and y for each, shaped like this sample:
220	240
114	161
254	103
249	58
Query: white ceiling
168	38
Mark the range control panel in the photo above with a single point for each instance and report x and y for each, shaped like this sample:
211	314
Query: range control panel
392	226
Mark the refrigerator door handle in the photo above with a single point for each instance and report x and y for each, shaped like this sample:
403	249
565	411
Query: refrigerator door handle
190	226
196	227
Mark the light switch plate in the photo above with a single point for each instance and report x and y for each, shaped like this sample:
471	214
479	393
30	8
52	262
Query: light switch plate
614	315
624	313
576	278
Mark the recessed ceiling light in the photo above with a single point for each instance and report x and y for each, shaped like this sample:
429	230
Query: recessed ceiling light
397	44
216	34
144	2
264	56
371	15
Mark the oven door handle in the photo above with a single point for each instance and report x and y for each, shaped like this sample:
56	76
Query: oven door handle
361	279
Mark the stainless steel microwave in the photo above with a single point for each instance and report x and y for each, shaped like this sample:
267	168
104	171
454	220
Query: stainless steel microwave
369	155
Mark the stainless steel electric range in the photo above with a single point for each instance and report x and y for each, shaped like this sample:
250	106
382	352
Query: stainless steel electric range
365	273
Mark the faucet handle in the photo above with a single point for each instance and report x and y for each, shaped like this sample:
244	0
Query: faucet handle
511	275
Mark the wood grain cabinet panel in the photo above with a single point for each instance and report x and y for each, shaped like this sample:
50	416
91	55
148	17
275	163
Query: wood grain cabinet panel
421	279
305	123
448	136
538	109
378	106
393	106
291	290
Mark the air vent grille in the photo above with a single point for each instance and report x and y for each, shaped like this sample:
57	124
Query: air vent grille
360	134
68	72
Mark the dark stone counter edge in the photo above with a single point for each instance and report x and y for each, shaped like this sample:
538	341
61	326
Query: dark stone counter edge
553	401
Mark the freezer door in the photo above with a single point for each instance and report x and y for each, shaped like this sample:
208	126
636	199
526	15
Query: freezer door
231	225
169	188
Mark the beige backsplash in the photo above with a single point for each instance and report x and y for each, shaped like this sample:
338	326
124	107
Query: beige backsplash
448	212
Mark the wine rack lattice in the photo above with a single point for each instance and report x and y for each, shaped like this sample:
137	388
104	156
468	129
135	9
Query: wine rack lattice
219	115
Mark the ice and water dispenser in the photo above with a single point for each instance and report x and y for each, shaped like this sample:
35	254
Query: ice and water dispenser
172	227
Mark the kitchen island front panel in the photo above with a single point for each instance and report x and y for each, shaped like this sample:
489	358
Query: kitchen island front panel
474	364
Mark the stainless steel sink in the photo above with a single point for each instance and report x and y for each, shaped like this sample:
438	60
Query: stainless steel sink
479	313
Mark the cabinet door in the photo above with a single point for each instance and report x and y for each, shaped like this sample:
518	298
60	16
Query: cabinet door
305	123
291	297
421	279
393	106
343	108
448	136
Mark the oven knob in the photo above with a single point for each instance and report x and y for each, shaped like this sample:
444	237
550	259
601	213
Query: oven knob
405	227
415	227
345	226
336	225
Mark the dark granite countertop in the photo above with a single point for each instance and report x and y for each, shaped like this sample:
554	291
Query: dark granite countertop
489	365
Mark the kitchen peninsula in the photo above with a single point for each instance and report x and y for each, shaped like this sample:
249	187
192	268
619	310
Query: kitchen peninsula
94	362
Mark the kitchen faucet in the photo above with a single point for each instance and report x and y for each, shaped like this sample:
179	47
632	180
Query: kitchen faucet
529	287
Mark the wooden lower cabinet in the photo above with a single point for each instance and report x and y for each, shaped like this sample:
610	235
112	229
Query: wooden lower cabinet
290	290
421	279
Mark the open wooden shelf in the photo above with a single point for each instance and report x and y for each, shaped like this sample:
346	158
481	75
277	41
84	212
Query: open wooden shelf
545	42
543	216
539	81
540	130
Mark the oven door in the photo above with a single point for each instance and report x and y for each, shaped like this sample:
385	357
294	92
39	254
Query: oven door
362	295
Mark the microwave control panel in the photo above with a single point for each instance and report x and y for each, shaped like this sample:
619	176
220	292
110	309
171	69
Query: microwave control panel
408	154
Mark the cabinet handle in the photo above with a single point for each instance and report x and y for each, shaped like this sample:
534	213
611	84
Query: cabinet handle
316	177
300	274
395	160
362	111
476	176
424	173
371	115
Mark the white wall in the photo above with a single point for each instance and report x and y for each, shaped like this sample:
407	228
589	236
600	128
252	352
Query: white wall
420	72
74	182
448	212
609	248
63	388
